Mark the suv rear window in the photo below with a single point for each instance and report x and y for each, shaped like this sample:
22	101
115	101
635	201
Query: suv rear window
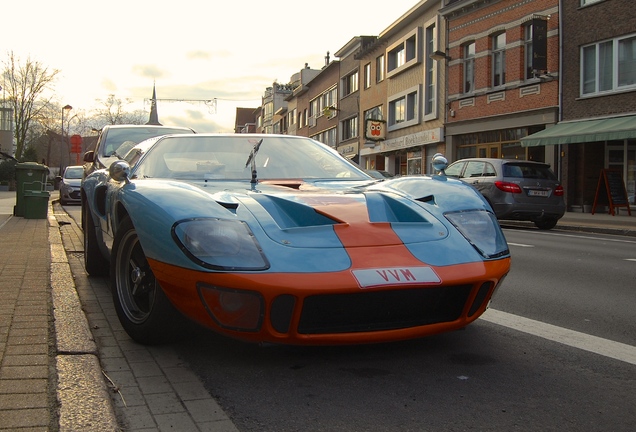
528	171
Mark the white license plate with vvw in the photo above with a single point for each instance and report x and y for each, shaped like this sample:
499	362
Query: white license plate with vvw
539	193
369	278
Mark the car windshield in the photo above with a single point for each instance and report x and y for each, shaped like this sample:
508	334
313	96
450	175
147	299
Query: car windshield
206	157
74	172
132	135
528	171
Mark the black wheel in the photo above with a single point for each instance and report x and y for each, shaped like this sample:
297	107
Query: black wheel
94	262
546	224
142	307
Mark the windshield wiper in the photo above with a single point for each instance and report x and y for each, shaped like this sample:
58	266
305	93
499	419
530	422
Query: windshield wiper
252	159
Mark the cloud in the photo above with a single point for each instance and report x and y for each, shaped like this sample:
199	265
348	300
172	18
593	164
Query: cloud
109	85
149	71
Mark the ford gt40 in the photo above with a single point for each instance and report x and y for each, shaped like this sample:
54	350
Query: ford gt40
279	239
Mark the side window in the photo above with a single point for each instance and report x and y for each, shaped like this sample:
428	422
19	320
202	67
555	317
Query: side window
474	169
489	170
455	169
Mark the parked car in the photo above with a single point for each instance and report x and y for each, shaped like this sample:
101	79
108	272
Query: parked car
116	140
277	238
70	185
516	189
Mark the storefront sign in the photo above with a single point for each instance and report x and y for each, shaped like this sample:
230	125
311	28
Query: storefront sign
417	139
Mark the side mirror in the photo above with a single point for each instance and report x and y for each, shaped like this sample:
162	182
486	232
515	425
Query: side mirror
440	163
119	171
89	156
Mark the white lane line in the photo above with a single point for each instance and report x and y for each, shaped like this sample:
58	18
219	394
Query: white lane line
604	347
520	245
555	234
630	259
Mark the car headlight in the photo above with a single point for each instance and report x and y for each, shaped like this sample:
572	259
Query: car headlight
219	244
482	230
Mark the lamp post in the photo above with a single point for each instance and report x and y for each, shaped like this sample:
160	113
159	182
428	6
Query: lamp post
65	108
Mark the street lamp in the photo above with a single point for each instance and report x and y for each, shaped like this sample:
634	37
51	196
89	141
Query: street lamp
64	141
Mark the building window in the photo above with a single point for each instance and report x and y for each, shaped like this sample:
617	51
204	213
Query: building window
608	66
403	109
499	60
349	128
379	69
367	75
330	99
350	84
403	54
469	67
314	107
430	95
326	137
374	113
527	48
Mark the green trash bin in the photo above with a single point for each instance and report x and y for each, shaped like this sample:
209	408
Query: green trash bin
29	176
36	204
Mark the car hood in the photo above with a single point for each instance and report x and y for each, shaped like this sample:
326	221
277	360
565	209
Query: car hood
290	215
72	182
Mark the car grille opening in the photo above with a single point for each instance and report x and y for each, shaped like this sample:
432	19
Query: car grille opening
382	310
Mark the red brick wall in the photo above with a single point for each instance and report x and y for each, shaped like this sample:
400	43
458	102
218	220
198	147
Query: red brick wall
478	25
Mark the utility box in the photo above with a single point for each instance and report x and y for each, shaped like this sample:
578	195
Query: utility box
36	204
29	176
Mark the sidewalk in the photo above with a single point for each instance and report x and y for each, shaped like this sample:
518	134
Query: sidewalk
53	374
50	375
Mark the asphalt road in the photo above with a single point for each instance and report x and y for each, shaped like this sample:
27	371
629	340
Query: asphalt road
556	352
494	375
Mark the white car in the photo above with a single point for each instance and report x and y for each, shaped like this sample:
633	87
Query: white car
70	184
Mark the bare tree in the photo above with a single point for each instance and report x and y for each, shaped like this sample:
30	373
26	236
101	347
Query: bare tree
24	84
113	111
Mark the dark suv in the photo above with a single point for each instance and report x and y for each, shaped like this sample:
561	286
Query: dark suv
112	137
515	189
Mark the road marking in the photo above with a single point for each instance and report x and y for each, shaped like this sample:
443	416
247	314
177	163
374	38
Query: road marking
520	245
630	259
617	240
604	347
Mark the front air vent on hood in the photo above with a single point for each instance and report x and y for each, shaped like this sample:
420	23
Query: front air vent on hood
385	208
291	214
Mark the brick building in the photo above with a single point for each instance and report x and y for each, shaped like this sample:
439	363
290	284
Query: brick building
503	73
597	128
401	87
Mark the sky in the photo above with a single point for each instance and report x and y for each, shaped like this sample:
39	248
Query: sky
205	50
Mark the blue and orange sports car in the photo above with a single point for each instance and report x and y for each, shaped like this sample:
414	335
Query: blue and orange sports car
277	238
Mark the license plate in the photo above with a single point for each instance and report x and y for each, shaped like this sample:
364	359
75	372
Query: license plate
395	276
539	193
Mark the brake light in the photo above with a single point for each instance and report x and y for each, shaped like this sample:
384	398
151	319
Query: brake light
508	187
558	191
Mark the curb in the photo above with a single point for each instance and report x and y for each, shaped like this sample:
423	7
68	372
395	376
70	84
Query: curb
82	395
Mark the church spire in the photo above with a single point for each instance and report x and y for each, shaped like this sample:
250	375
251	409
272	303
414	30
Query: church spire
154	117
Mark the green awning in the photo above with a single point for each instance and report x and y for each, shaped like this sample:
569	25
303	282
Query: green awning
617	128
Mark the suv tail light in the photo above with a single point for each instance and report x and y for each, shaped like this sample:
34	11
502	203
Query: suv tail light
508	187
558	191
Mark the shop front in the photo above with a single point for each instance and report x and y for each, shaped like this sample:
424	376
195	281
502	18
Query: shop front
588	147
405	155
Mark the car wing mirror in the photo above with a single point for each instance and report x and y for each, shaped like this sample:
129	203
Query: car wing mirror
119	171
89	156
440	163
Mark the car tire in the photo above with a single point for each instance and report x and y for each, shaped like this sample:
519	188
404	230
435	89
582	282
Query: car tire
94	262
546	224
141	305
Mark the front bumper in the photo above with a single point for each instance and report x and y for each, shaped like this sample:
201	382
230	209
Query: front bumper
330	308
